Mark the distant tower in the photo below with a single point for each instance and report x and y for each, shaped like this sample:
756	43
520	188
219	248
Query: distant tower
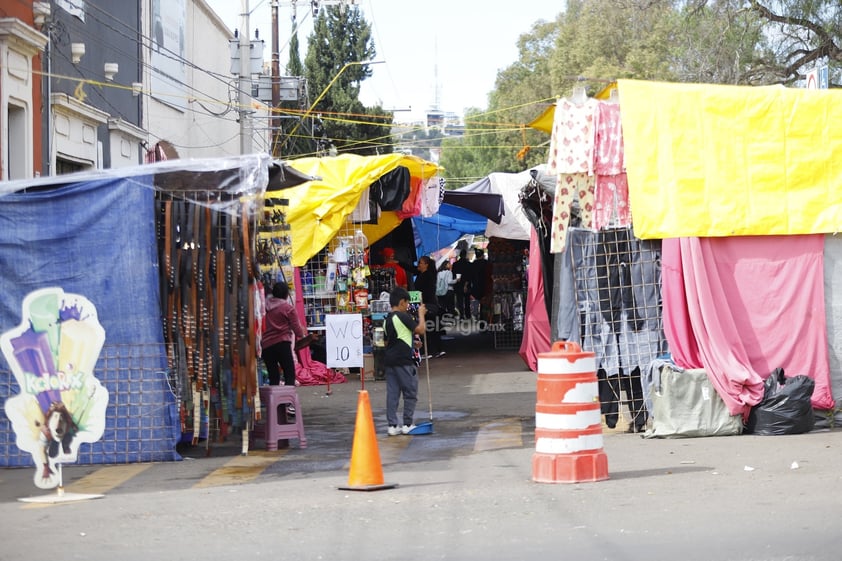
436	84
435	116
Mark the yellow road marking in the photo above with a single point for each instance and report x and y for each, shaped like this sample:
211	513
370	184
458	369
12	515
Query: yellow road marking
391	447
505	433
106	478
241	469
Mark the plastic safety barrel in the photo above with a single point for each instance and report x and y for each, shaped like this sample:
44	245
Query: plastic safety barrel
568	422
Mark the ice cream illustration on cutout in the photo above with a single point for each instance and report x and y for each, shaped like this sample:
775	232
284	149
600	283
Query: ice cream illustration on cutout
61	404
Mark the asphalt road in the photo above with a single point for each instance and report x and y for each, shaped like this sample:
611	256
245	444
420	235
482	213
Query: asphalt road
464	492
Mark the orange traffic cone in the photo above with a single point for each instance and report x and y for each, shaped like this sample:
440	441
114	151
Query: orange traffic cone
366	473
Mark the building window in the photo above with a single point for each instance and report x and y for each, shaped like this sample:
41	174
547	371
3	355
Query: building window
66	166
18	146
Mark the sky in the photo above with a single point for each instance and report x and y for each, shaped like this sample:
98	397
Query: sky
458	45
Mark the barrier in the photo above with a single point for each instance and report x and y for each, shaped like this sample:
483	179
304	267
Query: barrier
568	422
366	471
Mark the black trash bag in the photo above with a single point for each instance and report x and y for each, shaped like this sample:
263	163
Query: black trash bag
785	407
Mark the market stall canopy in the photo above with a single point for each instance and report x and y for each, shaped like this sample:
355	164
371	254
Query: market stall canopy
445	227
319	208
284	176
477	197
513	223
711	160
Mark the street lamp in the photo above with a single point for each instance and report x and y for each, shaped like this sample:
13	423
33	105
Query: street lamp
324	91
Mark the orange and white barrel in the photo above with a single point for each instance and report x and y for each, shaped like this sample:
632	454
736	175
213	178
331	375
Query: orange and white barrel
568	422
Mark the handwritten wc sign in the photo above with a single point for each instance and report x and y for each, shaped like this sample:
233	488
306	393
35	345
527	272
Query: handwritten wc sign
344	340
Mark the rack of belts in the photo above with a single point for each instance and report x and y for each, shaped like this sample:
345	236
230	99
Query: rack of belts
208	278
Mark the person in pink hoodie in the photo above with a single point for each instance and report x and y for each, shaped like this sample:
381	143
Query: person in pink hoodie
279	331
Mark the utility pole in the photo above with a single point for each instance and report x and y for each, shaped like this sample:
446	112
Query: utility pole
245	80
276	81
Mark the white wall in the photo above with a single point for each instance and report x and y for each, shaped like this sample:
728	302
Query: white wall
195	131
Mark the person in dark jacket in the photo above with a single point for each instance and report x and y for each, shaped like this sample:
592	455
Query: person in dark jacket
425	283
482	284
462	289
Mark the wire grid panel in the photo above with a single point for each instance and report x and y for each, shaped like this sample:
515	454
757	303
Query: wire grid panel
617	280
335	280
141	419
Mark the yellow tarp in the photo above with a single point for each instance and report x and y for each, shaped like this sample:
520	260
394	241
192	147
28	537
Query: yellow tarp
319	208
710	160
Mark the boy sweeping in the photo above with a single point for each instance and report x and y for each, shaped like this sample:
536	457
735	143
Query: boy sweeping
399	363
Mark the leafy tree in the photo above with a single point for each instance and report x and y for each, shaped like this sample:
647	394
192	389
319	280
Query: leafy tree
470	157
341	38
497	139
418	141
800	34
602	40
294	66
714	42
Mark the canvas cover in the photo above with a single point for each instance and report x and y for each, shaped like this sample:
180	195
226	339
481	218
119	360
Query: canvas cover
319	208
741	307
712	160
96	239
93	234
512	223
445	227
685	404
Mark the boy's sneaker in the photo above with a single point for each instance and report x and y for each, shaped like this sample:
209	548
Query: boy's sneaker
407	428
440	354
394	431
291	410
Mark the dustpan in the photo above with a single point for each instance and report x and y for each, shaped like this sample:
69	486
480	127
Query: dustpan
422	428
427	426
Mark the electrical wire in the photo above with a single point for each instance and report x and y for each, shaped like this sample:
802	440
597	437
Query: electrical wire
231	106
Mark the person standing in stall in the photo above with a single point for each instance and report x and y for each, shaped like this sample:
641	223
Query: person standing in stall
282	326
462	289
444	287
391	262
481	284
425	283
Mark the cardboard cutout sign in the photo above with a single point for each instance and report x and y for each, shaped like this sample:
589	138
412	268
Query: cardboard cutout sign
52	354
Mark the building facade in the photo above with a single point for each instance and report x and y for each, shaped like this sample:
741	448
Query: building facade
93	84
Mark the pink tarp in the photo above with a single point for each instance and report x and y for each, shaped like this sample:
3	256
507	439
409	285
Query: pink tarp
309	372
536	328
739	307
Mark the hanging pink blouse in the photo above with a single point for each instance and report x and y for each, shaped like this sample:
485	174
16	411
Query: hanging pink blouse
611	209
608	140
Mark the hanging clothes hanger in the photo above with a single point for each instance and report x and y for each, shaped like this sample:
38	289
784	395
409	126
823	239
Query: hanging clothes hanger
579	95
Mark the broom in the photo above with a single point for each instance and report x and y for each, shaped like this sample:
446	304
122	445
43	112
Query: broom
427	426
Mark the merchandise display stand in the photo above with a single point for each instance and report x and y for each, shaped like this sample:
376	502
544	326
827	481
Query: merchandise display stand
509	260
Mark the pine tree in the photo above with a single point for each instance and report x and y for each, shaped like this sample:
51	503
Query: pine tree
341	39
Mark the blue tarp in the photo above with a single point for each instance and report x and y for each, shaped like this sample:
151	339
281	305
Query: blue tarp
96	239
444	228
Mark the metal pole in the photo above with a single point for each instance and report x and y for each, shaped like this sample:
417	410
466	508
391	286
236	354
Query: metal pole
276	81
245	81
48	103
